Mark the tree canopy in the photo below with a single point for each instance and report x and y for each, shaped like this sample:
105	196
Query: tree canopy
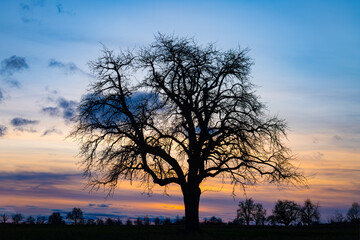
176	112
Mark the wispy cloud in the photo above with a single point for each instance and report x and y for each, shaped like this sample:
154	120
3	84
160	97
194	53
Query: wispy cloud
19	122
64	108
13	64
103	205
67	68
51	131
2	130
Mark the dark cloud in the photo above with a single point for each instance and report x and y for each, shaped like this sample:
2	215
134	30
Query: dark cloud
52	111
13	64
66	67
21	129
51	131
18	122
103	205
64	108
2	130
91	204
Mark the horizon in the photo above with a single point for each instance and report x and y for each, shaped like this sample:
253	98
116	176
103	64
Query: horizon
306	71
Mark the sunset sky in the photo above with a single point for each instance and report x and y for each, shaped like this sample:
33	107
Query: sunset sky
307	71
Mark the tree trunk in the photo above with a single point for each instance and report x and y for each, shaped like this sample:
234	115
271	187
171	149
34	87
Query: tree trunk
191	202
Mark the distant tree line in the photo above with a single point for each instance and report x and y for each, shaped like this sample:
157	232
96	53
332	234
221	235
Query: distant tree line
285	213
288	213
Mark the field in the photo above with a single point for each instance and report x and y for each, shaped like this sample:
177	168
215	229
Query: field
39	232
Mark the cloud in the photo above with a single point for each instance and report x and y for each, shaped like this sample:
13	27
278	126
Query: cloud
64	108
27	9
52	111
91	204
67	68
337	138
2	130
18	122
1	96
51	131
13	64
103	205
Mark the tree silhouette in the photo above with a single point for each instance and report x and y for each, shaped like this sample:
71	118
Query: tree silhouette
76	214
309	213
285	212
17	218
30	220
249	211
245	212
4	218
40	220
259	214
194	115
353	214
55	218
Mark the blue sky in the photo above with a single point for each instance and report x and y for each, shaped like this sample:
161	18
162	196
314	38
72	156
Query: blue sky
306	56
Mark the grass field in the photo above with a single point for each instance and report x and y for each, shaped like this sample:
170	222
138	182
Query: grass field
39	232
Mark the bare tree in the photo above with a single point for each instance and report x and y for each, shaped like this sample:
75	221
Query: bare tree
40	219
4	218
249	211
245	212
309	213
285	212
17	218
30	220
259	214
76	214
194	115
55	218
353	214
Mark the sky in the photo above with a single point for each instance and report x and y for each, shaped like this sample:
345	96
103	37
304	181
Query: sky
307	71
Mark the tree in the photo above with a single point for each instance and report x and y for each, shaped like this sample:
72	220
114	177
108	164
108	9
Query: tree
30	220
40	220
353	214
157	221
129	222
55	218
250	211
4	218
245	213
259	214
285	212
194	115
17	218
76	214
309	213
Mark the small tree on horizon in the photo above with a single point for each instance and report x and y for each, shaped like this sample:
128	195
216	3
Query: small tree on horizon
353	214
56	219
17	218
249	211
285	212
194	115
309	213
4	218
76	215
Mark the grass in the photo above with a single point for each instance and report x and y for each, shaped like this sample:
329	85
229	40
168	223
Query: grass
40	232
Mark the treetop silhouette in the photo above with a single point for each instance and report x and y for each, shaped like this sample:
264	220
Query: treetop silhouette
176	112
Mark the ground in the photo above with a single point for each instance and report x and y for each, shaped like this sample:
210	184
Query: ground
39	232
